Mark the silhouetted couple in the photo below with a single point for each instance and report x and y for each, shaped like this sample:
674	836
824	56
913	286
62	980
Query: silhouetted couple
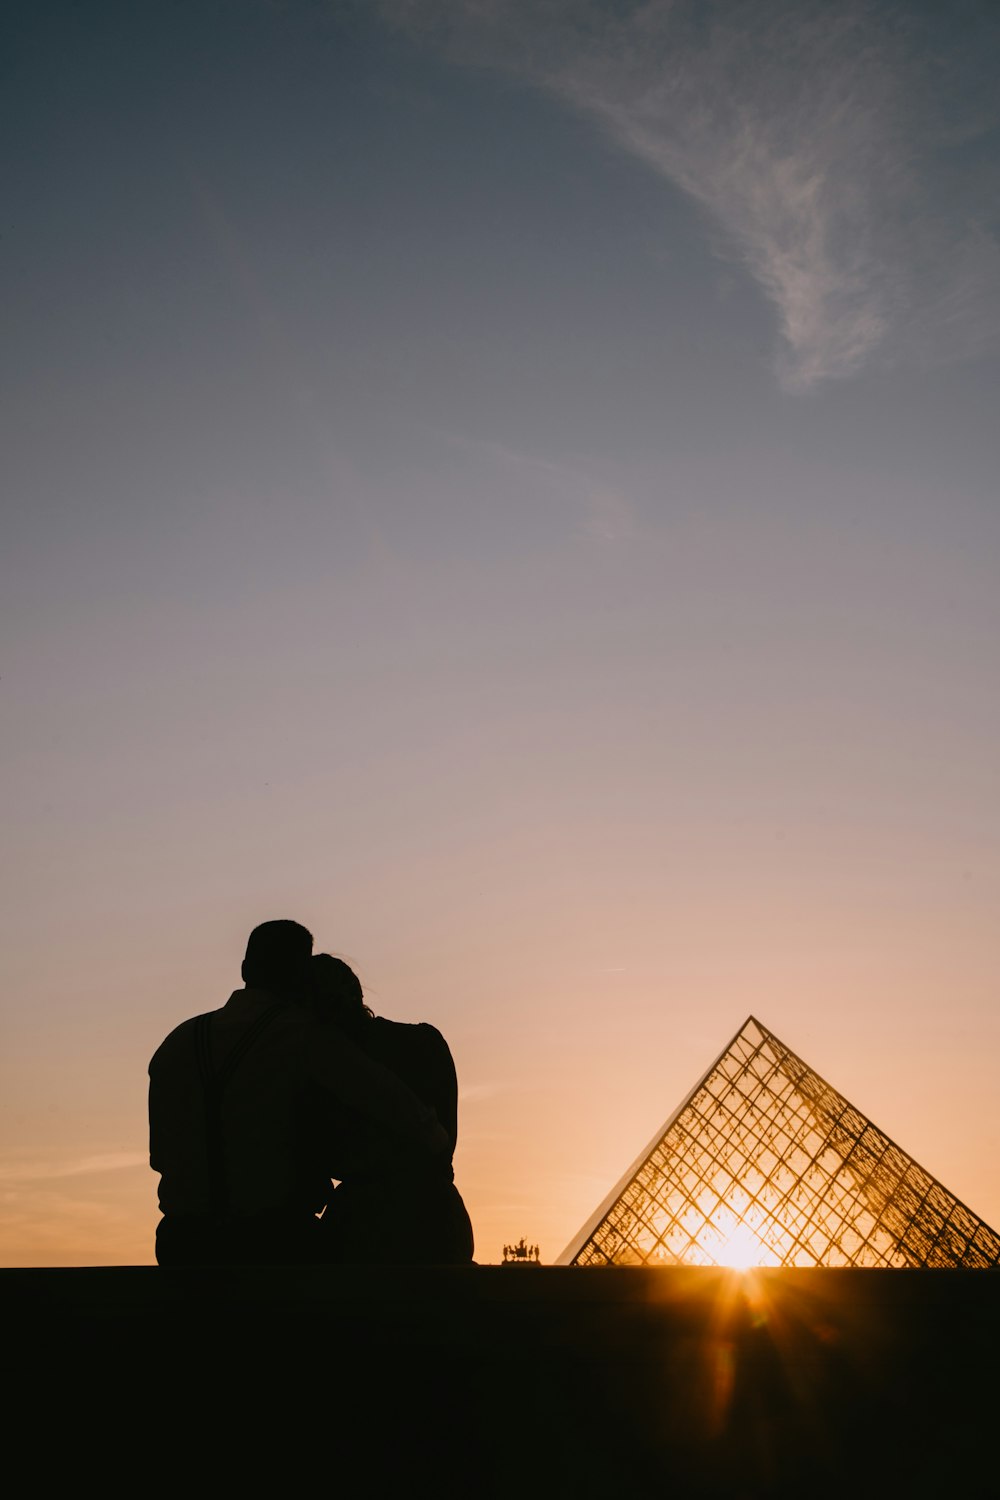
255	1108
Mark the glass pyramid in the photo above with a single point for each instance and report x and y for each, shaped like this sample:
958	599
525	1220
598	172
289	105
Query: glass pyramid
764	1164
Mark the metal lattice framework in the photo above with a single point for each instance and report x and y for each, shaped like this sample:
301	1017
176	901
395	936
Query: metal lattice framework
765	1164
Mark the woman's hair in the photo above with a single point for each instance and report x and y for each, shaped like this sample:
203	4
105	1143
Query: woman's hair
337	993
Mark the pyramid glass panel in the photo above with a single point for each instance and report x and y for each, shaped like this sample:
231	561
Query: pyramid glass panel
765	1164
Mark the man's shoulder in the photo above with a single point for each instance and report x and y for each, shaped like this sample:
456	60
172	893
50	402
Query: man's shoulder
178	1040
173	1042
289	1018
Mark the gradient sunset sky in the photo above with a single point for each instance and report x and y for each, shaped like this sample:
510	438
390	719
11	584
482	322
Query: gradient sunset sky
515	488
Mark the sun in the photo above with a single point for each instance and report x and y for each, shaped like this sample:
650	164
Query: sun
743	1249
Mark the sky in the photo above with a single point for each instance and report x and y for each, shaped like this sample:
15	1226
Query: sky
512	487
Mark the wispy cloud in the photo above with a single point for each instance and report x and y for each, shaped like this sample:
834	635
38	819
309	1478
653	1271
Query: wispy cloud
818	138
503	453
606	515
81	1166
479	1093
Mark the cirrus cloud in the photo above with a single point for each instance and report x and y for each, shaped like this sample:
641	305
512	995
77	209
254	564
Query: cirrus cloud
831	146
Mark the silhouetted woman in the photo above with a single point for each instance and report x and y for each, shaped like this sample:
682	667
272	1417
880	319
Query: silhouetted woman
393	1204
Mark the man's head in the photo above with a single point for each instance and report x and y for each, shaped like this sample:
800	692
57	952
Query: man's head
278	956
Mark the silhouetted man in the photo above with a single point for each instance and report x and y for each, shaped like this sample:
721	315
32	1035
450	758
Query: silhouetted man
232	1098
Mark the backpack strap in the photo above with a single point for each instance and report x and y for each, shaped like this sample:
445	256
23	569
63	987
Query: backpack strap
214	1083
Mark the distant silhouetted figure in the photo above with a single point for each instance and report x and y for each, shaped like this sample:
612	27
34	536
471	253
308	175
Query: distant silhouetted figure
234	1097
521	1254
392	1206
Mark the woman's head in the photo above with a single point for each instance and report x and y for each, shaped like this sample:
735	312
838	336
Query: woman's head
337	992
